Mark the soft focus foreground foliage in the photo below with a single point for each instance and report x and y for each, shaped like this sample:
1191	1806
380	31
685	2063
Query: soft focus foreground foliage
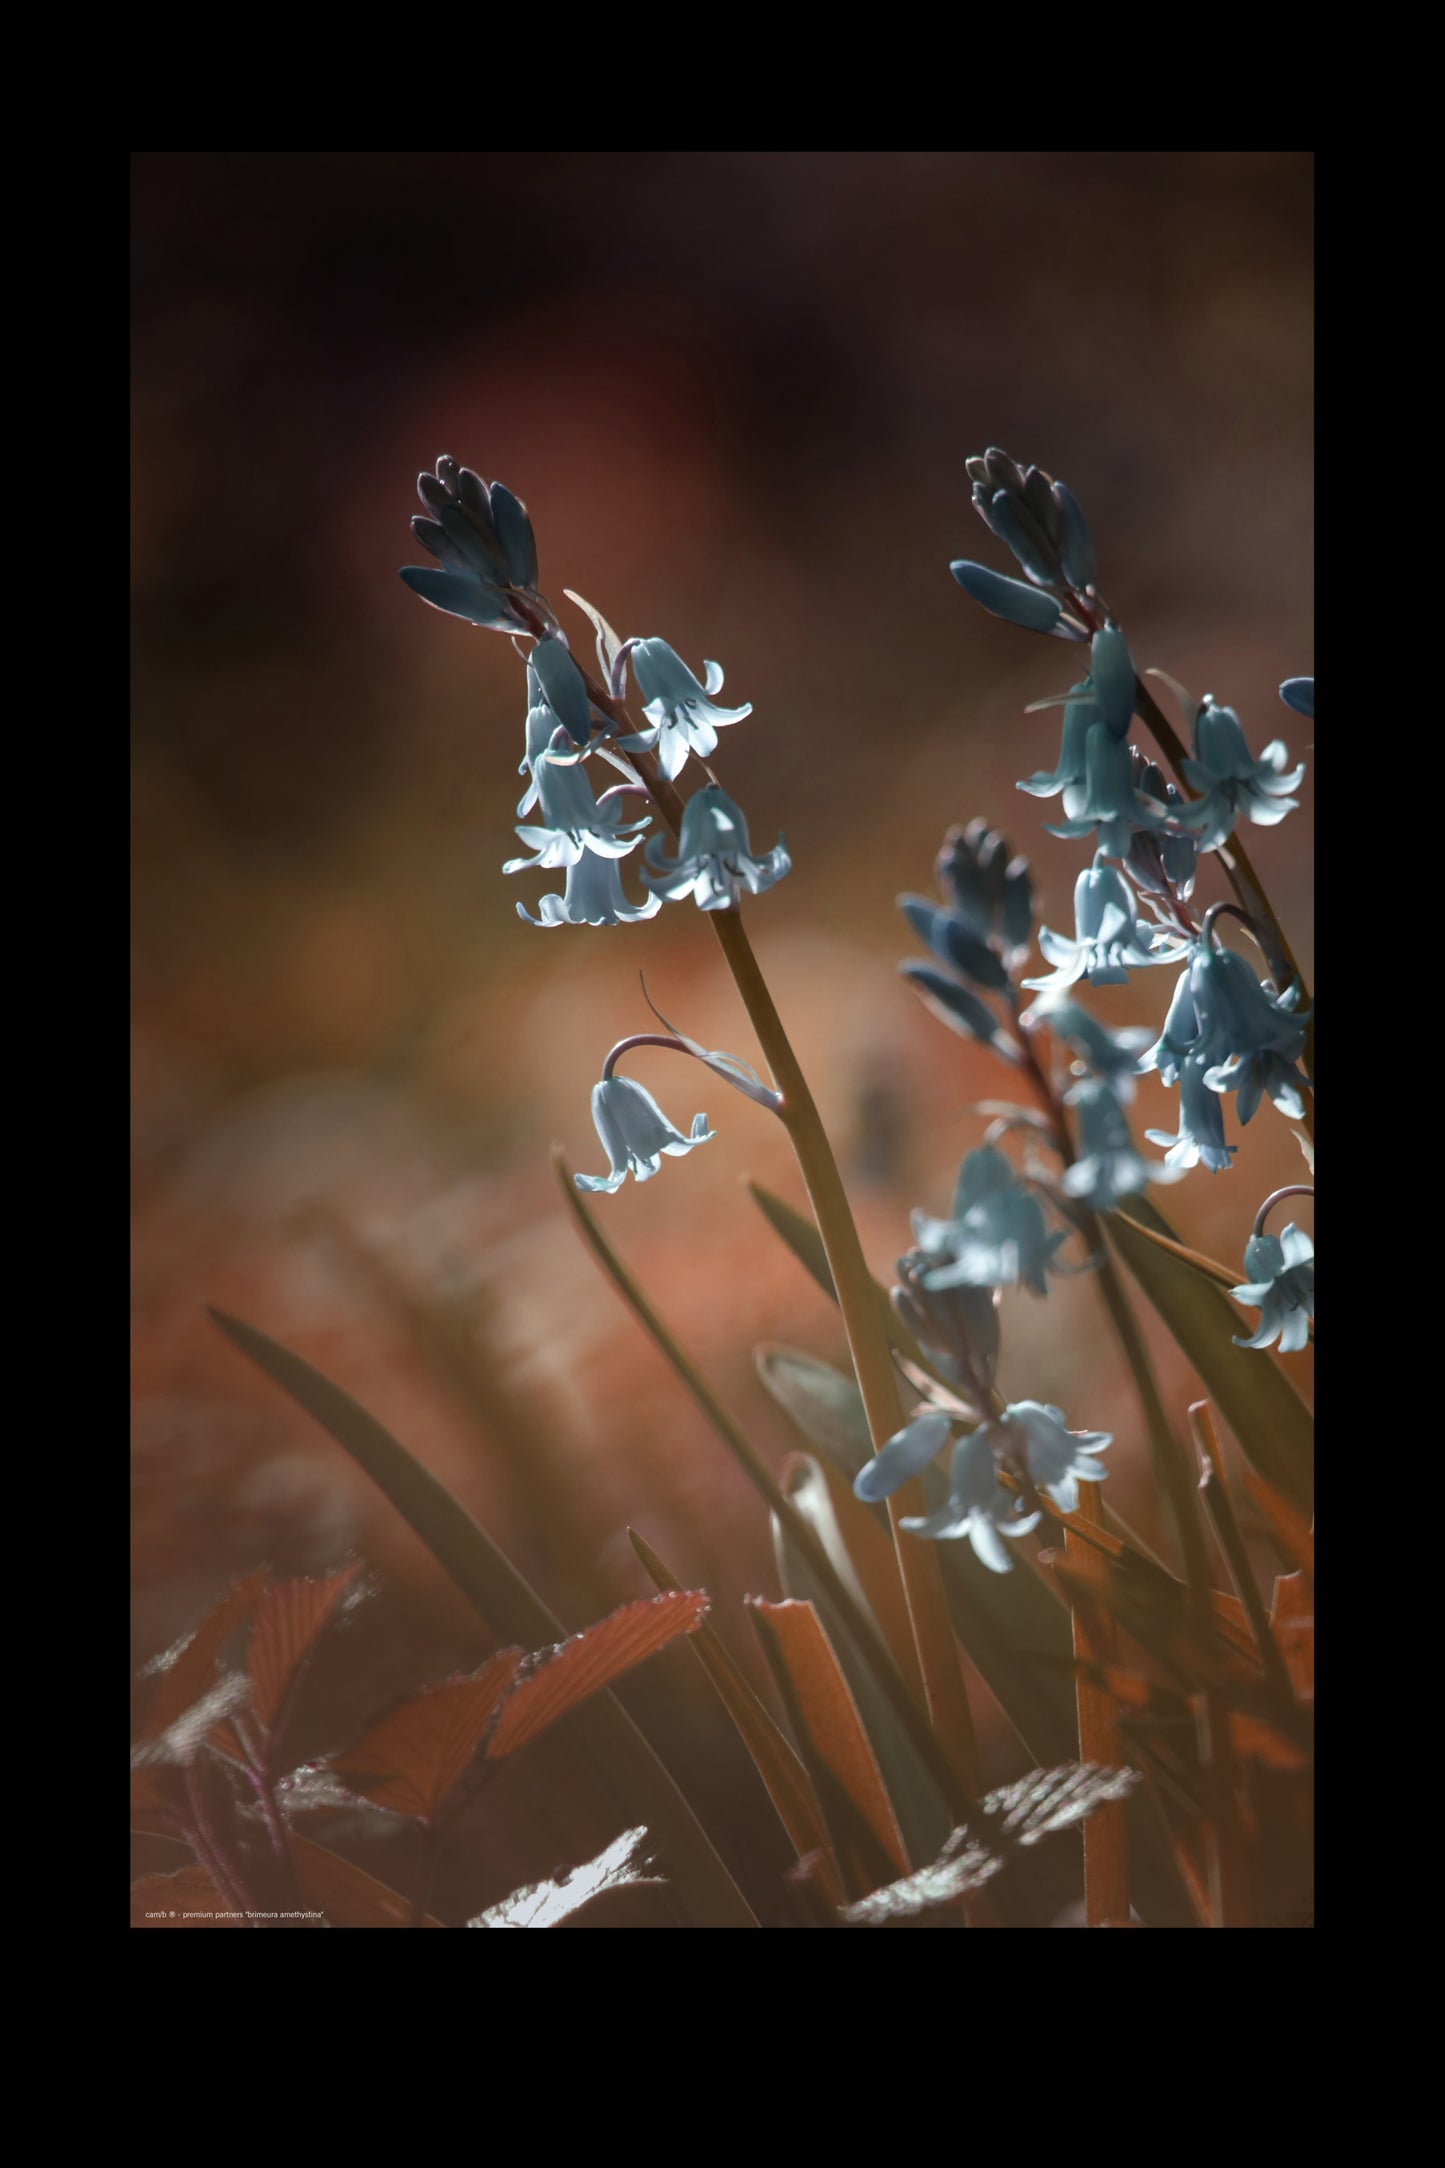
1170	1719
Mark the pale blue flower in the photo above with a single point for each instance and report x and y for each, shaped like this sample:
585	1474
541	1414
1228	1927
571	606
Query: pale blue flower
1160	863
483	539
1110	937
957	1327
1032	1437
1105	803
593	897
1231	781
1281	1287
683	715
635	1133
1108	1166
1246	1038
906	1454
997	1236
572	820
978	1506
714	861
1200	1137
1112	1055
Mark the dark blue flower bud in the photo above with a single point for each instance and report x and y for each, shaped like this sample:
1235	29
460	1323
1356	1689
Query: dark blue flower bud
1076	546
1299	694
1013	599
563	686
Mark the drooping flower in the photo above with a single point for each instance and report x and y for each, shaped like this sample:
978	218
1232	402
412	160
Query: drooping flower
683	715
483	538
906	1454
1281	1286
1161	863
593	897
957	1327
1110	937
1249	1038
1108	1166
1299	694
1200	1136
714	859
1231	781
635	1133
572	819
1106	804
978	1506
997	1236
1112	1055
1033	1437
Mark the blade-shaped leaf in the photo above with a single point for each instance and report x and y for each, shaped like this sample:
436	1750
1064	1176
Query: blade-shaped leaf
831	1735
492	1584
188	1670
551	1904
787	1781
826	1406
1249	1389
589	1661
348	1895
288	1620
1288	1530
410	1759
806	1244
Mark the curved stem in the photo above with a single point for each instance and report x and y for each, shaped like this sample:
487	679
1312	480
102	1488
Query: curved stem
1277	1196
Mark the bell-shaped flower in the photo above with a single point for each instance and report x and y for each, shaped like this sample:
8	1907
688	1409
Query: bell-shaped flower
483	539
1281	1286
989	888
978	1506
683	715
997	1236
1108	1166
1105	803
593	897
1032	1437
572	819
906	1454
956	1327
1112	1055
1200	1137
714	861
635	1134
1249	1037
1110	938
1080	716
1180	1035
558	712
1299	694
1160	863
1231	781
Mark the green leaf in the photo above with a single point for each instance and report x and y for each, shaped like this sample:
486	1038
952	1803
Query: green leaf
826	1406
492	1584
1250	1391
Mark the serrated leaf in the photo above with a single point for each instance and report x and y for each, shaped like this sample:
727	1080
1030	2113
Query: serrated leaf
784	1777
410	1759
1017	1816
549	1904
583	1665
288	1620
1274	1427
831	1738
188	1669
347	1894
490	1582
164	1900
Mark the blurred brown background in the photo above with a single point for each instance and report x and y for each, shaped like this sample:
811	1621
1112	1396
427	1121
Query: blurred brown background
736	391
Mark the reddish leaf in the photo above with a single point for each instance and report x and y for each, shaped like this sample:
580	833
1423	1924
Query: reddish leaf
187	1898
291	1615
411	1758
1289	1530
824	1708
348	1895
1292	1622
590	1660
189	1669
1261	1741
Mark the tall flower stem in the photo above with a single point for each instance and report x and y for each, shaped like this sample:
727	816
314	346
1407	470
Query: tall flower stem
939	1674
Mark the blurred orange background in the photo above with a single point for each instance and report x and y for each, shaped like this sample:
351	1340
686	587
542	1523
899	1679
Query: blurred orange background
736	391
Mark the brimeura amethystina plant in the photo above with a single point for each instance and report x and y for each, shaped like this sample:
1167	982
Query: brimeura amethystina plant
1170	1717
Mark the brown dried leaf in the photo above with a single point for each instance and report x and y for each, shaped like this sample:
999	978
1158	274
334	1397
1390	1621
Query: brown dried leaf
411	1758
1292	1622
187	1671
291	1615
165	1900
591	1660
348	1895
